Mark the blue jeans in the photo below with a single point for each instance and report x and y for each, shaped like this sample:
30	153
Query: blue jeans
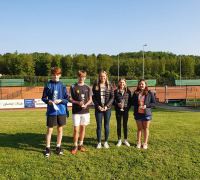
98	115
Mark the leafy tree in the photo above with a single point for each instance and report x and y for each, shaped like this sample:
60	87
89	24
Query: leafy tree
67	65
56	60
170	77
105	62
123	67
139	67
29	65
162	65
79	62
9	60
197	67
91	67
187	66
36	61
155	67
48	58
2	65
147	65
172	65
156	64
114	67
42	63
131	67
20	61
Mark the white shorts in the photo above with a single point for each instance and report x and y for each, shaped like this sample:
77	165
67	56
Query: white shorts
83	119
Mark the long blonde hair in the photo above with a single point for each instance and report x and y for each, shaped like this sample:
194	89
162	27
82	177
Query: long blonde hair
99	81
118	87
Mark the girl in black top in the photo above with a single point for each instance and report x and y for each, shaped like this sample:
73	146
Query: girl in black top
103	97
122	103
143	100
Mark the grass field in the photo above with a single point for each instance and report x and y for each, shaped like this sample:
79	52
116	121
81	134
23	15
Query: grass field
174	149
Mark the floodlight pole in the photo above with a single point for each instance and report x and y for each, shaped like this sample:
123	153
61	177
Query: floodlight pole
180	71
143	62
118	67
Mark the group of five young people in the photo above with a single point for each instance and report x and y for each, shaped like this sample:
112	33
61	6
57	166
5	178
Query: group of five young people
103	96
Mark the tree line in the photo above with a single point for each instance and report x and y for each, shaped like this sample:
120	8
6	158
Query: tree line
157	64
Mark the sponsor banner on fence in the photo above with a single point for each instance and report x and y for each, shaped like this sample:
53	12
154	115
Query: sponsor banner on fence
39	103
9	104
191	102
26	103
175	102
29	103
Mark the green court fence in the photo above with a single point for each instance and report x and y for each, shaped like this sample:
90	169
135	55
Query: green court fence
134	83
11	82
6	83
70	82
157	85
188	82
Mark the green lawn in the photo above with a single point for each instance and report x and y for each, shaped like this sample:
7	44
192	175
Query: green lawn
173	153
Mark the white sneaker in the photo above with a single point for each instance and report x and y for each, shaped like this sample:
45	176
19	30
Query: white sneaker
119	143
99	146
106	145
145	146
126	143
138	145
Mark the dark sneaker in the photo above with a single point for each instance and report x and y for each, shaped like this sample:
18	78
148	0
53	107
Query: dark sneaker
59	151
74	150
81	148
47	153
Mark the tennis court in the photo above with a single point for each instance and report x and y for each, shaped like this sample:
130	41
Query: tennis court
162	93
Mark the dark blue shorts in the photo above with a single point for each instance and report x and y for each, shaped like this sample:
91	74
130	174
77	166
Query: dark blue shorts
142	117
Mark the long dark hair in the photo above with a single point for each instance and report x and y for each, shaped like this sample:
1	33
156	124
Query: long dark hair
138	90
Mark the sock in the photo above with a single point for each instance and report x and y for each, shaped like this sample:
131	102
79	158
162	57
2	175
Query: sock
80	143
48	146
75	143
58	145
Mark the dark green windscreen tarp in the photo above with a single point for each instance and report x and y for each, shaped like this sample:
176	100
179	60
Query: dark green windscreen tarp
134	83
188	82
11	82
70	82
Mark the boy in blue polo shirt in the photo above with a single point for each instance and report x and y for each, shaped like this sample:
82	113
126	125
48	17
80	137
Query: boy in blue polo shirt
56	97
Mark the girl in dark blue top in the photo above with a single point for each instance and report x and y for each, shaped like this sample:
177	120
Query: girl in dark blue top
143	100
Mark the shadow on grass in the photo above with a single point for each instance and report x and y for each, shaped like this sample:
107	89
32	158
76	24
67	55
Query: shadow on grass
37	142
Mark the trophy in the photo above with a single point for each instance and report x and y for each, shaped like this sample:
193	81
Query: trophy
122	105
103	103
141	102
83	99
55	95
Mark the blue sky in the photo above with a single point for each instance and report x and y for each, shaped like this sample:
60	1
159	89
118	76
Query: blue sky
99	26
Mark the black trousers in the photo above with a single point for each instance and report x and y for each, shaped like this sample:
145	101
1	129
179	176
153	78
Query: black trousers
119	116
